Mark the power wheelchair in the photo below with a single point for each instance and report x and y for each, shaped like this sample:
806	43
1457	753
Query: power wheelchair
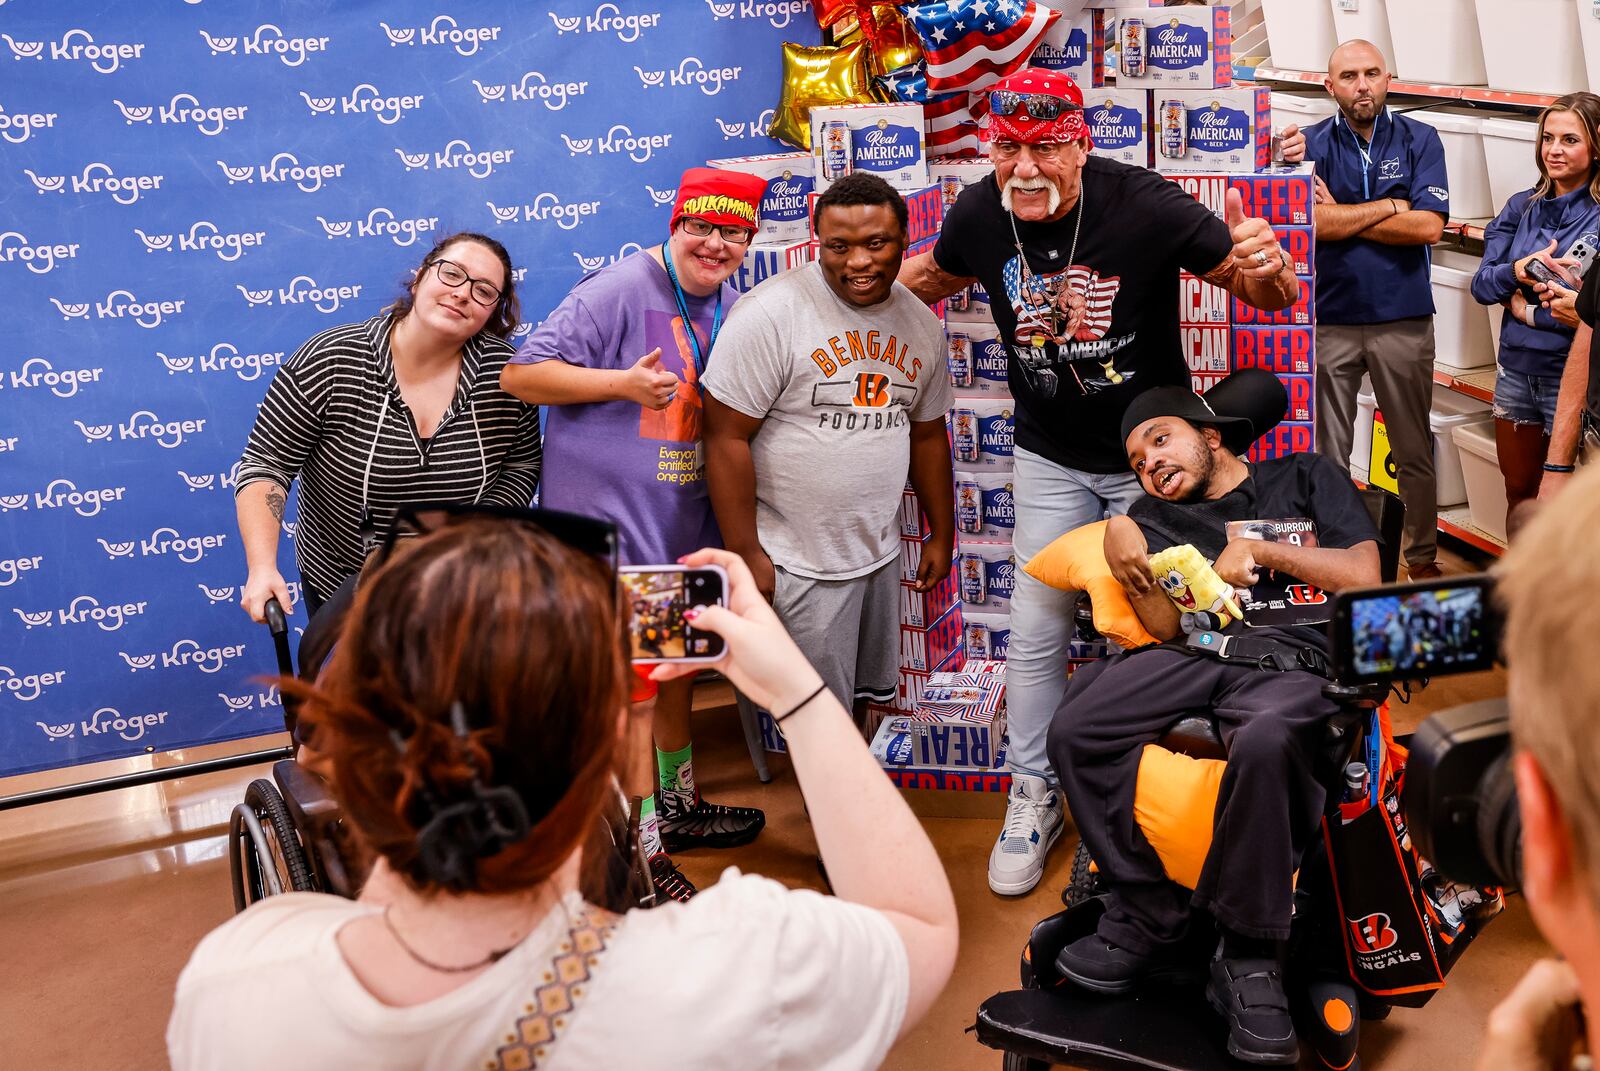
1171	1027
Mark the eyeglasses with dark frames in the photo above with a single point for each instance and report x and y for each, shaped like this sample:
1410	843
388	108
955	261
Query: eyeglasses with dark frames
731	234
453	275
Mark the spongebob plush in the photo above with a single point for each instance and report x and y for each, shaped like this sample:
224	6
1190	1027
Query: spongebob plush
1205	602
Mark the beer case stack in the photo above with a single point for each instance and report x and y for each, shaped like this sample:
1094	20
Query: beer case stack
956	736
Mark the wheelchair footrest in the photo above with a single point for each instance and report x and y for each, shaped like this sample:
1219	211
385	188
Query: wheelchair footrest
1161	1029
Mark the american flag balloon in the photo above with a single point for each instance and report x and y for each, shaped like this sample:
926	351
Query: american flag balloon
951	118
972	44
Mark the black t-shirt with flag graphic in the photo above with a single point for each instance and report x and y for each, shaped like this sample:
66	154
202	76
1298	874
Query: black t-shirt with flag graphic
1138	230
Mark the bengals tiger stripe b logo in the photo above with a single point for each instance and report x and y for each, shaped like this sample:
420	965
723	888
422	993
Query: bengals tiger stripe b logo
872	391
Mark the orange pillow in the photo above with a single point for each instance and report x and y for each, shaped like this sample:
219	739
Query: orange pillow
1077	562
1175	805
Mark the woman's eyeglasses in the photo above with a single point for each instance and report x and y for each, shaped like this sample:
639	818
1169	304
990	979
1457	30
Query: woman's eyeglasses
453	275
731	234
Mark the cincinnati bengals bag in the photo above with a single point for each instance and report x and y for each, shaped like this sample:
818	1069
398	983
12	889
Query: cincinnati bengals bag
1389	939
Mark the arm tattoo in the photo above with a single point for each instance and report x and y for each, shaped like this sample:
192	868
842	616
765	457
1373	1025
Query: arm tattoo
276	502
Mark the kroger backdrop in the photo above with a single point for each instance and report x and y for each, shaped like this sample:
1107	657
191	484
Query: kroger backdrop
189	190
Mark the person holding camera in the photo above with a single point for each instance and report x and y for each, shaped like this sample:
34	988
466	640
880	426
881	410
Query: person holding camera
1546	583
475	774
1546	234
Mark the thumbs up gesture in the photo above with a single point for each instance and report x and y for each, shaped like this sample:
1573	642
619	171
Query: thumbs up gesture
1255	248
648	383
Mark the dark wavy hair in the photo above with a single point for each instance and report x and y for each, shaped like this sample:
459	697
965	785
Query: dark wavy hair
507	313
450	618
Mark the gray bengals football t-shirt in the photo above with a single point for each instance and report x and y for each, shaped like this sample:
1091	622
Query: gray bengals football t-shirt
837	386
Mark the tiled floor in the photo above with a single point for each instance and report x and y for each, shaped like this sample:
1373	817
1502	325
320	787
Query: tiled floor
101	900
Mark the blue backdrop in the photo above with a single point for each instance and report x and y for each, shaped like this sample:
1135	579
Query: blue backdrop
190	190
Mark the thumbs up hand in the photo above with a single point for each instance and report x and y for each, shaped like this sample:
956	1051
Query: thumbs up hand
1256	253
648	383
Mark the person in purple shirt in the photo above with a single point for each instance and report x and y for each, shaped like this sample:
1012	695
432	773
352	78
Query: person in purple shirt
619	363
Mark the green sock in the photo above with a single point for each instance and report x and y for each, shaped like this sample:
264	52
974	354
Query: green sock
650	828
675	770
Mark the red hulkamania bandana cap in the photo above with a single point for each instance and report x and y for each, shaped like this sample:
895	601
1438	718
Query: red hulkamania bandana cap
1019	125
725	198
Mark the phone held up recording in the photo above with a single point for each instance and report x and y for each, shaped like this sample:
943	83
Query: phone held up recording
658	597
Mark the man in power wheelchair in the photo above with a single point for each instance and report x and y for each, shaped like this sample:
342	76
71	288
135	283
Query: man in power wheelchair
1245	642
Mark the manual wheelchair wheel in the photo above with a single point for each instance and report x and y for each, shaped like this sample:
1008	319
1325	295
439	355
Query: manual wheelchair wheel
1017	1062
1084	882
264	850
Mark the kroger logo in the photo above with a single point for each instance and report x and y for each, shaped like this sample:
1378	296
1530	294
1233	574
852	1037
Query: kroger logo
164	541
619	139
267	40
61	493
27	686
169	434
39	259
76	46
284	167
208	481
596	263
186	653
17	127
546	207
302	290
606	19
366	99
691	72
121	305
458	155
224	357
777	12
184	110
204	237
265	700
38	372
1114	127
130	727
754	128
85	609
11	569
381	223
214	596
666	197
443	30
99	178
1218	129
532	86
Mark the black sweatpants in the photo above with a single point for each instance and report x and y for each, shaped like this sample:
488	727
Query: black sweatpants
1269	804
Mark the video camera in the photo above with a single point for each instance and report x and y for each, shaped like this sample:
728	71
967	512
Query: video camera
1460	798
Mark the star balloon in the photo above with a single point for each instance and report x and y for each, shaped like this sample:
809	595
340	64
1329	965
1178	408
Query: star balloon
814	75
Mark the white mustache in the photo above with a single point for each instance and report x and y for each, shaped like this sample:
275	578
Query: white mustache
1028	185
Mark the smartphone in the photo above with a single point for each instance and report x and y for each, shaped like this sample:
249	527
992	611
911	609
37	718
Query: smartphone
1541	272
1429	628
1583	252
657	597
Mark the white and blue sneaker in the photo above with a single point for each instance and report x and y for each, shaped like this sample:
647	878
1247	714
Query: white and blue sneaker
1033	822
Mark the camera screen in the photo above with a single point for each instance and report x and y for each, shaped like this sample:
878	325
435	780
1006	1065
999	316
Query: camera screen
657	601
1424	633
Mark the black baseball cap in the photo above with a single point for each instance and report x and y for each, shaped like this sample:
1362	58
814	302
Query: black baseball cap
1242	407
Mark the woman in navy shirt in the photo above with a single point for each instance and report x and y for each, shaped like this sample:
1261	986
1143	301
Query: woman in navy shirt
1556	222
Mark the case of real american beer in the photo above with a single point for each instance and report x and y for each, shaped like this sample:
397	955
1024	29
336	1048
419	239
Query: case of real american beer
1174	48
884	139
785	215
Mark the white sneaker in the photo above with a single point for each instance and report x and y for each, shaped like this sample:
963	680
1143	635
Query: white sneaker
1033	822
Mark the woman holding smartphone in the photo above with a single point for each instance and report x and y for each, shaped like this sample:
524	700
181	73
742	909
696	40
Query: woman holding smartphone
618	365
1544	235
475	773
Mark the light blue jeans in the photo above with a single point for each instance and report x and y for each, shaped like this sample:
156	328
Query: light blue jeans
1050	500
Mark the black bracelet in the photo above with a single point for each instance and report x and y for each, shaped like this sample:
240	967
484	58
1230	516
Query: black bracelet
1559	468
794	709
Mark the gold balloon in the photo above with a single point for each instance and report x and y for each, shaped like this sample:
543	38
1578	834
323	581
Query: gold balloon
894	43
815	75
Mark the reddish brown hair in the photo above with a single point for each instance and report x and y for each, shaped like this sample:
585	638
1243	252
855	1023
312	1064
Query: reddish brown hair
526	633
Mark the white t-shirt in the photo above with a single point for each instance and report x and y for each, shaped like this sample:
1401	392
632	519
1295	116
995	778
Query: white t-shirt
748	974
836	386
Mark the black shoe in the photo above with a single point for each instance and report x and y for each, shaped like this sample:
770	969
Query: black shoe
706	825
1248	994
669	880
1102	967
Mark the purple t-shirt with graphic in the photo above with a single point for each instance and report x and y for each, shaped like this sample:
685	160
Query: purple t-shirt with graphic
641	469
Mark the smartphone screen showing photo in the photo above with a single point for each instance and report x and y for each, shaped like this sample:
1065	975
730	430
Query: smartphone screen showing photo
657	599
1421	632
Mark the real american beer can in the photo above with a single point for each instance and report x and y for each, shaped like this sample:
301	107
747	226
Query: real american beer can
974	583
960	361
1132	45
1174	129
964	434
977	642
836	157
969	507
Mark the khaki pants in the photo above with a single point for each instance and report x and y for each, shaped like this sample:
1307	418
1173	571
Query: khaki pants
1398	356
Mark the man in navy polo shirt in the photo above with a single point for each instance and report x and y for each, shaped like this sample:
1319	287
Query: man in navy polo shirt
1382	200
